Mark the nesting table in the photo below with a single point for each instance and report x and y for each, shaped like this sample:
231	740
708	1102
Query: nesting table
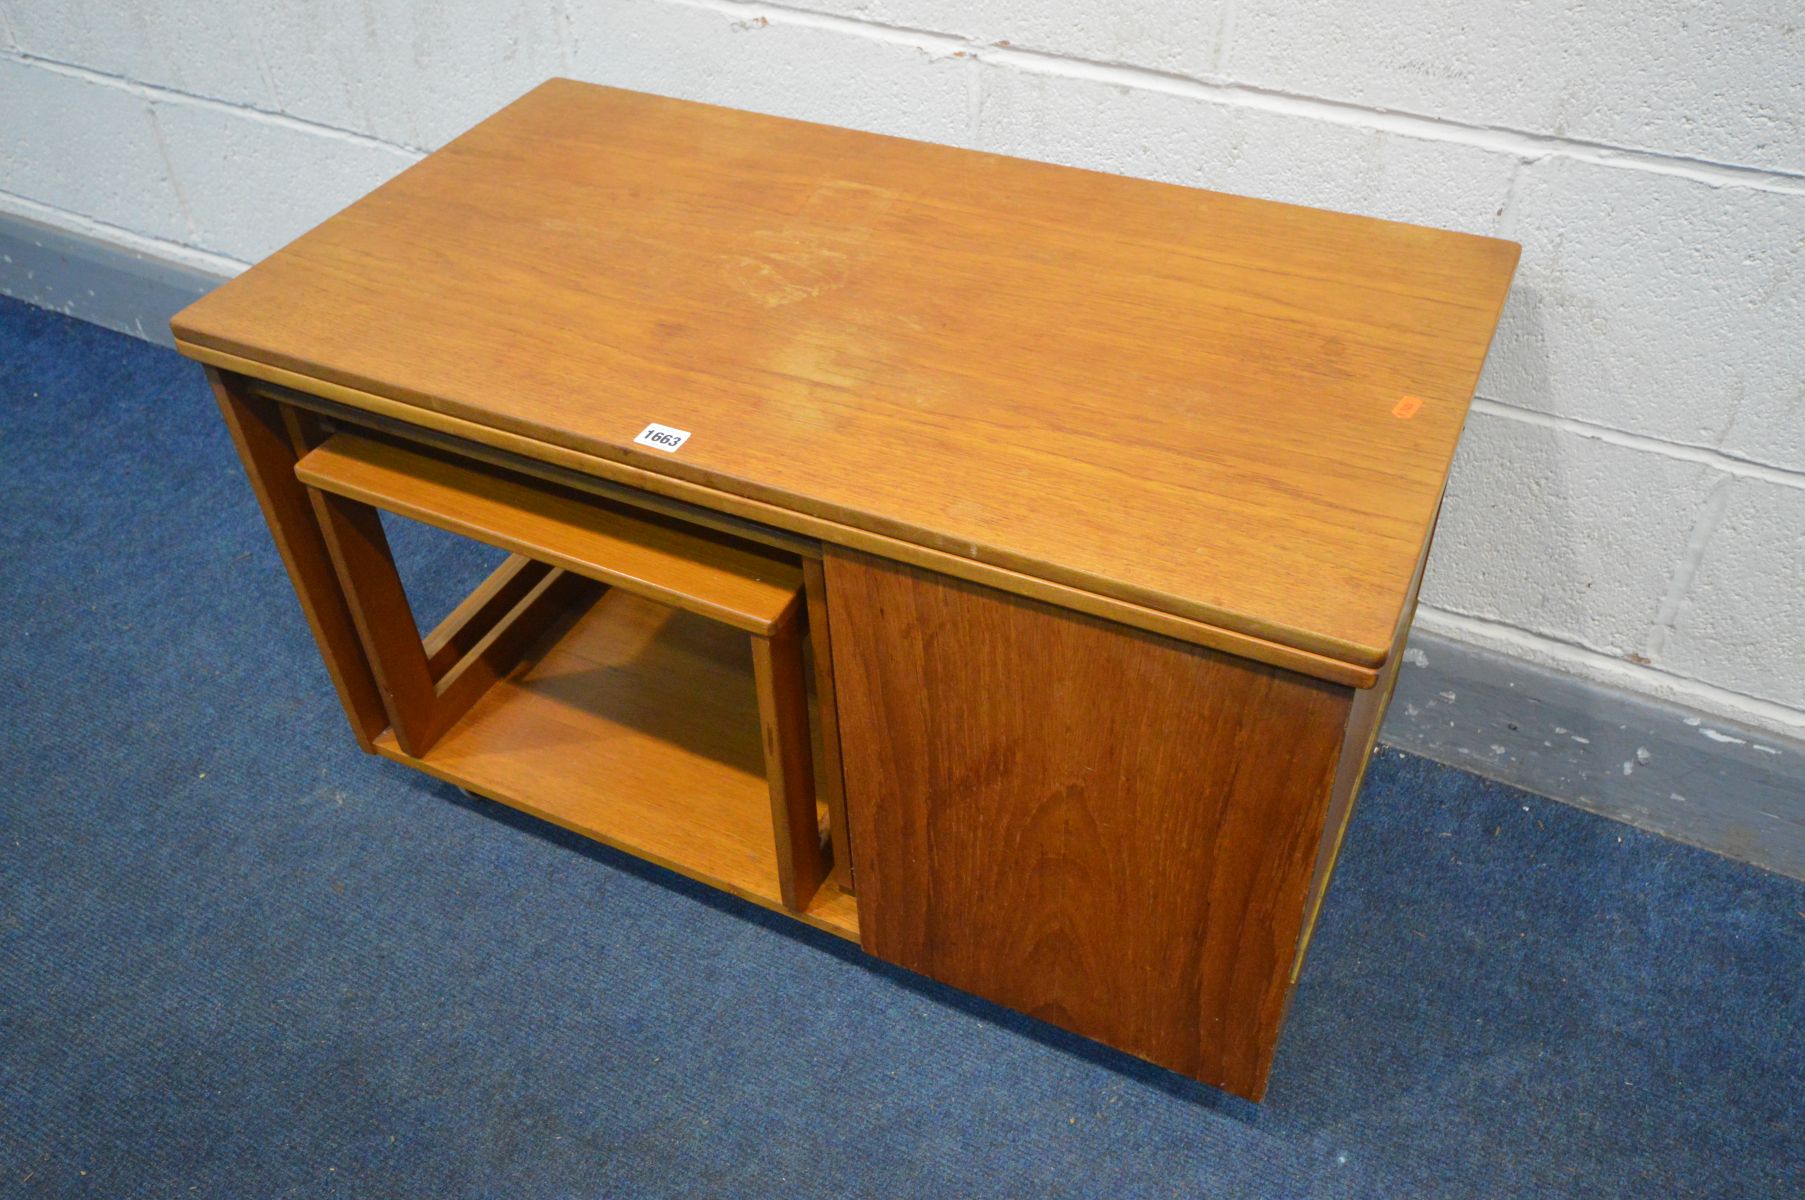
1001	565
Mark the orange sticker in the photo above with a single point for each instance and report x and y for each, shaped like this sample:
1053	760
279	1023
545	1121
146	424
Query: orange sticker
1406	408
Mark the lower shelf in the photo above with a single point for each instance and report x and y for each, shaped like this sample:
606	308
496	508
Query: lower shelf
636	725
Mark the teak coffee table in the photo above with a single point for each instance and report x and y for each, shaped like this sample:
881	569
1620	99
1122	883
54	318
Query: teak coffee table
1001	565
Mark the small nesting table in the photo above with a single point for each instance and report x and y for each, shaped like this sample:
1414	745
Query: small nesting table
1001	565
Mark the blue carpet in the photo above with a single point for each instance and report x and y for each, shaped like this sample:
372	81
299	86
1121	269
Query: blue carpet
240	959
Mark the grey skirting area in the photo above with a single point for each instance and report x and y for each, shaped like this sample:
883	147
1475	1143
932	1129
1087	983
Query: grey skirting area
1654	765
97	281
1658	766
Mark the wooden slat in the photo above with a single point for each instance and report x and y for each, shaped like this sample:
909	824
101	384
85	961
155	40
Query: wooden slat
385	623
476	615
1217	408
830	784
781	687
729	581
496	653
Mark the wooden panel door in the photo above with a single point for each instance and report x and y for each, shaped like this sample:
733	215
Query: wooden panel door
1103	828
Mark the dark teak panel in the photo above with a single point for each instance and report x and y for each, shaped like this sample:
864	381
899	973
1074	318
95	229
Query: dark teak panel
1109	830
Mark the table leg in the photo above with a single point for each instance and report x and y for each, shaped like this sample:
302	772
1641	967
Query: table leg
269	455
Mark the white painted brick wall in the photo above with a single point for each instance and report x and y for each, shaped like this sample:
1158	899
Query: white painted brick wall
1656	304
1563	535
137	41
285	177
1181	37
74	144
411	73
746	60
1718	81
1741	613
1197	140
1630	498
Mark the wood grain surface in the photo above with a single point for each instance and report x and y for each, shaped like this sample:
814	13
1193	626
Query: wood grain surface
754	520
1105	829
265	438
636	725
1189	401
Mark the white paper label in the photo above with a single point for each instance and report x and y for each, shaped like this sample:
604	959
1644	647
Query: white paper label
662	437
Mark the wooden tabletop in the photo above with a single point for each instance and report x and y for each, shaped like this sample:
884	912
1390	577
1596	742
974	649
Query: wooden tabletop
1229	410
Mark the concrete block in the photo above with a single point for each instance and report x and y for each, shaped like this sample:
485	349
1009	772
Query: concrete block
88	33
253	183
413	74
1182	39
790	70
212	53
1724	82
1565	536
1741	625
1200	142
85	147
1659	305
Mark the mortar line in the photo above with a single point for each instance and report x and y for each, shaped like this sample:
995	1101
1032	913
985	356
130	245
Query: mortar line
1686	569
917	36
974	101
1729	464
156	92
1498	138
1513	199
263	71
169	172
